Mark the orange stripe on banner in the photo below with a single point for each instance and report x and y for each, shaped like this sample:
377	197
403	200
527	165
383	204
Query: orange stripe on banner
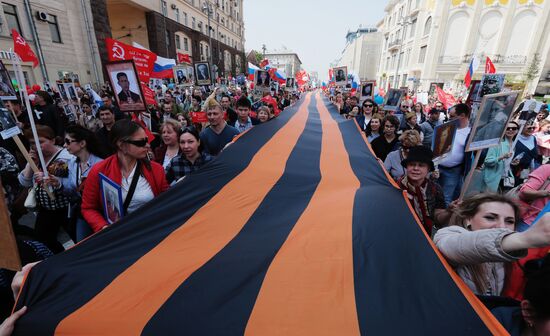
127	304
484	314
309	287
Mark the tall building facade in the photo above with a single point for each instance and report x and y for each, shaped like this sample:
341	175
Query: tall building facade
288	62
60	32
168	27
434	41
361	54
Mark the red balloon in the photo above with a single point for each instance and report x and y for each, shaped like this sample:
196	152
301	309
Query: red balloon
27	87
29	91
36	87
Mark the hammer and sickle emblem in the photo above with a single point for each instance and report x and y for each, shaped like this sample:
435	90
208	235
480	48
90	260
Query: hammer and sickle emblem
118	52
20	40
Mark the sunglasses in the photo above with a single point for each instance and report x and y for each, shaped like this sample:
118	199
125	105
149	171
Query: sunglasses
368	105
511	128
138	143
531	128
69	141
405	107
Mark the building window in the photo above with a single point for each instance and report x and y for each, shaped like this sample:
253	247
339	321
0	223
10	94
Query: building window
193	23
413	28
177	14
163	7
200	26
167	38
10	12
207	51
54	28
185	22
185	44
202	52
178	42
428	26
422	54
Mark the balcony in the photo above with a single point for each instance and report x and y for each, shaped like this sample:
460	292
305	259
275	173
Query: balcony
395	44
450	59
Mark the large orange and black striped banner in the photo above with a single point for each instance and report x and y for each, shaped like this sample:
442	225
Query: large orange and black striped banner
295	229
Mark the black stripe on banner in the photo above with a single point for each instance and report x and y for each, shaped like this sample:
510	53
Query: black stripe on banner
219	297
397	275
62	284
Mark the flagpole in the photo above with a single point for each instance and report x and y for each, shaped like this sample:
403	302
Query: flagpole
21	79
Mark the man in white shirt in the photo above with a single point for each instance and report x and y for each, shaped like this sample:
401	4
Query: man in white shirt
453	167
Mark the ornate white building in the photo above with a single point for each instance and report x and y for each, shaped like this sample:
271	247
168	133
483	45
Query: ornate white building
362	52
285	60
433	41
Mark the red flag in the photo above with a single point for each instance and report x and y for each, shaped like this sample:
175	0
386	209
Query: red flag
144	59
23	49
330	75
184	58
264	63
489	66
198	117
447	99
150	136
272	72
302	77
148	94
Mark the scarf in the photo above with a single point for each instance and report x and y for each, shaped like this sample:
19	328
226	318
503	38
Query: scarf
417	196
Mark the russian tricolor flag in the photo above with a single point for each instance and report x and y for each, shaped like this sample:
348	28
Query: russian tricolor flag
163	66
474	64
251	70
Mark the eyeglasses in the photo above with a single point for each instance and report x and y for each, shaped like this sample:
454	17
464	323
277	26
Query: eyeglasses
531	128
138	143
368	105
69	141
511	128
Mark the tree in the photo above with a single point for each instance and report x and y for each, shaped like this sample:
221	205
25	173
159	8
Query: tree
531	73
259	57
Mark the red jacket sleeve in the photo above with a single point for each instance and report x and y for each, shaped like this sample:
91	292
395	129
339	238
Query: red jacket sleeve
92	209
160	176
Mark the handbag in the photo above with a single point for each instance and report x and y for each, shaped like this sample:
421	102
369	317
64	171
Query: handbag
509	180
30	201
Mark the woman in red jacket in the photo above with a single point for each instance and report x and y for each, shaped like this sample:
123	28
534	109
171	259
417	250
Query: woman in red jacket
128	167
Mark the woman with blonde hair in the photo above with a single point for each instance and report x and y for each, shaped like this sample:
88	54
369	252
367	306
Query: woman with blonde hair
481	239
170	131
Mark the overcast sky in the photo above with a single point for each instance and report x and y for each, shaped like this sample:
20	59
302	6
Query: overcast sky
314	29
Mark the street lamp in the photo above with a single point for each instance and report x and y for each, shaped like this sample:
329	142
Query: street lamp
207	7
403	22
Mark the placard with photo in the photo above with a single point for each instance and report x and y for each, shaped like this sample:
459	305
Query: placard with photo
126	86
443	138
491	120
393	99
7	92
183	75
473	91
490	84
290	84
262	80
8	126
111	197
70	89
367	90
340	75
432	91
202	73
61	91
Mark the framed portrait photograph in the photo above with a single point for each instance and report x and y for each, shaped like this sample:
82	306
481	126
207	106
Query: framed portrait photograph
432	91
274	86
70	112
202	73
111	198
393	99
62	92
473	91
492	117
490	84
262	80
70	89
7	91
183	75
8	126
367	90
126	85
340	75
443	138
290	84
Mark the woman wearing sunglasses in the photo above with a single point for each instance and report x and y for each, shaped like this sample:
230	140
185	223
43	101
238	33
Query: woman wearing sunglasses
526	155
191	156
140	179
81	143
368	109
497	162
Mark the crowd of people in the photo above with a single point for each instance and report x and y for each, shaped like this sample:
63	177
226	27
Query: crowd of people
145	153
495	240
